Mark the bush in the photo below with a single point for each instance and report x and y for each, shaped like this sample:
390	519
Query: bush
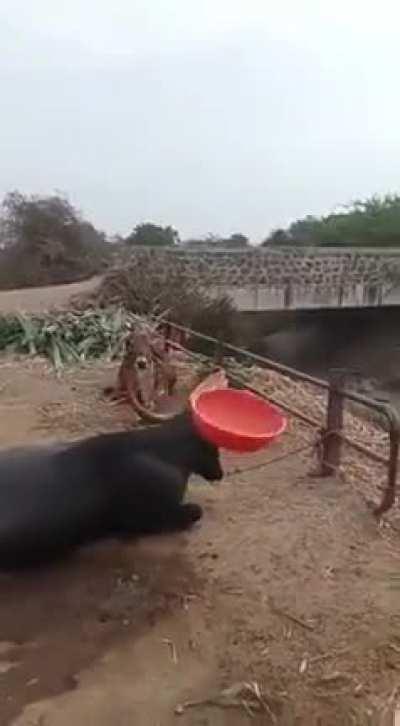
45	241
175	299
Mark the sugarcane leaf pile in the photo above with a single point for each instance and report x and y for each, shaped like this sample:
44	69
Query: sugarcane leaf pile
67	337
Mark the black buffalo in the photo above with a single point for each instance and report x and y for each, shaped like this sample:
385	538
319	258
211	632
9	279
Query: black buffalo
58	497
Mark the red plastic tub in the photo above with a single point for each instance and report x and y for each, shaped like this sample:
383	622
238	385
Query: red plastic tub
236	420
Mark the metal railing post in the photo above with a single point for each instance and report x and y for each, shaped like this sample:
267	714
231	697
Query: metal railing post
389	494
166	331
332	443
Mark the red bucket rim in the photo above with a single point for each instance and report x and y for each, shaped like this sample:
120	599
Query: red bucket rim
210	422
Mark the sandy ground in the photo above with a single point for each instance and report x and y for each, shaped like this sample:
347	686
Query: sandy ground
287	583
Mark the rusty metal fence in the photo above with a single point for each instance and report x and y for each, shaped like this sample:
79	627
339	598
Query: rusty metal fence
332	435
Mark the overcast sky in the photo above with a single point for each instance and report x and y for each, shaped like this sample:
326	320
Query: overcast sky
215	116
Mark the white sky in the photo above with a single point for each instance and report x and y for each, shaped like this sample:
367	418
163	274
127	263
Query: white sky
214	116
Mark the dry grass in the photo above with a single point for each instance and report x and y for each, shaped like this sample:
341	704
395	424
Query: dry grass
367	476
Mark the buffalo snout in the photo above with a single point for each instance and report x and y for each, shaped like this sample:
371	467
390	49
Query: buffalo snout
210	465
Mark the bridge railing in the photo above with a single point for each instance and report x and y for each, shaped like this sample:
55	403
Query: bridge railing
331	432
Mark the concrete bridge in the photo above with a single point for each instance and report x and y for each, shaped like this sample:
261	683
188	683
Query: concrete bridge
283	278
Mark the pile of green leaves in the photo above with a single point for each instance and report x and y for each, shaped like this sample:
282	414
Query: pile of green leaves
69	337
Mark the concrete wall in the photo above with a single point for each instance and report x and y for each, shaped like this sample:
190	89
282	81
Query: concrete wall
284	278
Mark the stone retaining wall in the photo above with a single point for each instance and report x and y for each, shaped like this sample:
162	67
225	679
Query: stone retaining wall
285	278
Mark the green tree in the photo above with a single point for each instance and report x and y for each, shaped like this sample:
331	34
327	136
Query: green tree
374	222
153	235
279	237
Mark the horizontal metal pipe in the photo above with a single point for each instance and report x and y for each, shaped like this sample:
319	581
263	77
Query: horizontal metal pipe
295	412
388	411
364	450
384	408
312	422
280	368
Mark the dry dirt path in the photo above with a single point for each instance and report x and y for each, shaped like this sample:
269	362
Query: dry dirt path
39	299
